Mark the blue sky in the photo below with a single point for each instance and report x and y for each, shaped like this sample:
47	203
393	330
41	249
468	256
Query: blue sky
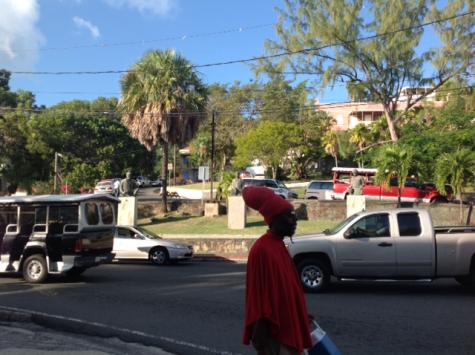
43	35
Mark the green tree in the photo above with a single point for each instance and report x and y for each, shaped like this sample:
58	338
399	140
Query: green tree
86	134
456	168
393	162
327	38
269	142
162	103
360	136
330	144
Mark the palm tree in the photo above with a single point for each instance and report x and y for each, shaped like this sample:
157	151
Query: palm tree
162	103
393	162
456	168
330	144
360	137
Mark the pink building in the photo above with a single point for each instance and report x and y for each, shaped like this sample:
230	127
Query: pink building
349	114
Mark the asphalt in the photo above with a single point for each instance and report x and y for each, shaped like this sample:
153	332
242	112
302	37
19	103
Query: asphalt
28	332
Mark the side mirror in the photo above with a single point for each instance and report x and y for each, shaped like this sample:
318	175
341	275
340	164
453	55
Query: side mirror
348	233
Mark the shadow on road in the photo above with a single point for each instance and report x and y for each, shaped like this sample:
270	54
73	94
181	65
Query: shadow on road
399	288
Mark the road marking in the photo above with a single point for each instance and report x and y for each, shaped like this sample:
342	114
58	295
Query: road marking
124	330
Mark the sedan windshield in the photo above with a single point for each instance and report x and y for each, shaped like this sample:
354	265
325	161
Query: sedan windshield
147	233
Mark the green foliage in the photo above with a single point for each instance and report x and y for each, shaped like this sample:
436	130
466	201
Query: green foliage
269	142
83	176
85	138
376	68
394	161
42	187
456	168
224	186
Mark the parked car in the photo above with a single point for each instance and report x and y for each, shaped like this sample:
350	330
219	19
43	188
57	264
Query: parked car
139	243
412	191
156	183
319	190
105	186
388	244
277	186
56	234
142	181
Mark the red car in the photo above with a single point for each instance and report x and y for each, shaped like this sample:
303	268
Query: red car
411	192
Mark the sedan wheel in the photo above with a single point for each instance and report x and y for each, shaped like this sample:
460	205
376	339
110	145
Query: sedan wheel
159	256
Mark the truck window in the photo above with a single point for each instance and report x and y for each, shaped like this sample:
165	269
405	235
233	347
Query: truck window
92	214
373	226
8	215
107	213
409	224
59	216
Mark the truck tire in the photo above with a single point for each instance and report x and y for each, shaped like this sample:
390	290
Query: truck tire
35	269
314	275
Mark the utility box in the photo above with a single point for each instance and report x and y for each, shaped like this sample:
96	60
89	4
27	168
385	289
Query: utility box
236	212
355	204
127	211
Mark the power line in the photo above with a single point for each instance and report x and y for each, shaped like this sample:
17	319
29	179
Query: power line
256	111
247	60
144	42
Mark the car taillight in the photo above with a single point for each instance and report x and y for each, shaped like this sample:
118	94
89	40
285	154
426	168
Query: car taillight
78	246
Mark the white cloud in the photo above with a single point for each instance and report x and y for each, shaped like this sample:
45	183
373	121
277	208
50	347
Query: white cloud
82	23
157	7
20	39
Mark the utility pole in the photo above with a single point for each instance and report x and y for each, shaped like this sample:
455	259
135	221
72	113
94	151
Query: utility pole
56	156
211	169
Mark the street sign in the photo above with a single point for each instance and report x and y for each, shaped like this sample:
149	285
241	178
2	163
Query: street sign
203	173
170	166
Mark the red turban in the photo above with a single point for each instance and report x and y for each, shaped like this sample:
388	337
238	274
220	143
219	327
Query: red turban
266	202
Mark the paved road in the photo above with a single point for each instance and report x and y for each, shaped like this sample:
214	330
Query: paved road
199	306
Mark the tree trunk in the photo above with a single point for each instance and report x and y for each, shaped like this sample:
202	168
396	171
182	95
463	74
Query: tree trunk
461	210
399	196
274	172
164	176
391	125
336	160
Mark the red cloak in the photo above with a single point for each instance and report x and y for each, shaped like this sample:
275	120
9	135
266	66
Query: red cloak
273	292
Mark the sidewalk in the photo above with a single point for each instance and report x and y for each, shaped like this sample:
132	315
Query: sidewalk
26	332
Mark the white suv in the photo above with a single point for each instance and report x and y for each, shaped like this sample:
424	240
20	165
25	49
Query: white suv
319	190
277	186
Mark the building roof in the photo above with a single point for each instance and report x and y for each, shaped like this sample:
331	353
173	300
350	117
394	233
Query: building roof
56	198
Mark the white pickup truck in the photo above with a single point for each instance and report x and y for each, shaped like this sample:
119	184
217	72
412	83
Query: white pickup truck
399	244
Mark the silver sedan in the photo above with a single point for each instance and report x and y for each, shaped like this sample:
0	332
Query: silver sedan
138	243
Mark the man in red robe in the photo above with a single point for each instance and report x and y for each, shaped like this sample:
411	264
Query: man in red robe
276	318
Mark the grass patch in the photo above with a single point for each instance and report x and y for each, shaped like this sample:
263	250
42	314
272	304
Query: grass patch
219	225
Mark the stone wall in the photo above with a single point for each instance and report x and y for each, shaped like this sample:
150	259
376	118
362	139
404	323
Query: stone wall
442	214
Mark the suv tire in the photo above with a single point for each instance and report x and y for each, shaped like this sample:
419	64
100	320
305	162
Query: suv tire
35	269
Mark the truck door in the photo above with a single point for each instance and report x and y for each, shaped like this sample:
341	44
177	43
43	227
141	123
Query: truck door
415	247
368	248
10	220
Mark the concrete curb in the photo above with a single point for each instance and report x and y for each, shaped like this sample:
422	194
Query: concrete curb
78	326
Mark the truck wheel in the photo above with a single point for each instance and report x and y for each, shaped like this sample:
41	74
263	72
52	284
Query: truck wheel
35	269
314	275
